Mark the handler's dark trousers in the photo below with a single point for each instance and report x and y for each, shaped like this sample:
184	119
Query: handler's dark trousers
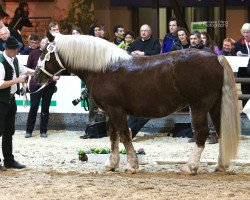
136	124
46	95
7	128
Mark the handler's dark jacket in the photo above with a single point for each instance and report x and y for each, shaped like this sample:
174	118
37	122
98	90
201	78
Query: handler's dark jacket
5	95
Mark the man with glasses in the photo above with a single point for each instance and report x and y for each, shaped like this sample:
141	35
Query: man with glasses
145	45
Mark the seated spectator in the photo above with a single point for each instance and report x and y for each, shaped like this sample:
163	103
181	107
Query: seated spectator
5	18
183	40
227	47
13	32
196	42
4	34
76	31
129	38
242	48
145	45
33	41
208	42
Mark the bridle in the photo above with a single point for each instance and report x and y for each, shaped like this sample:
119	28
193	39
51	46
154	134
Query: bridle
51	48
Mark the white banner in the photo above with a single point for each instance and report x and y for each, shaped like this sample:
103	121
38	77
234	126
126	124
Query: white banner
68	89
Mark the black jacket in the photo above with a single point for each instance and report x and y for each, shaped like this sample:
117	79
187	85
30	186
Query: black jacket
149	47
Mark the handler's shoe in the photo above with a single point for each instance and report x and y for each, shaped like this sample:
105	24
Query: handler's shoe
2	168
13	164
28	135
44	135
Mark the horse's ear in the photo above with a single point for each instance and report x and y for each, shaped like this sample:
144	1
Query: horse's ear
50	36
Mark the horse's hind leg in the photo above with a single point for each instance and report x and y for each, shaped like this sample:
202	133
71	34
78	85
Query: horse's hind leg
200	123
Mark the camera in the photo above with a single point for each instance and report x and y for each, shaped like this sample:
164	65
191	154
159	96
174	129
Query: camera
84	96
76	101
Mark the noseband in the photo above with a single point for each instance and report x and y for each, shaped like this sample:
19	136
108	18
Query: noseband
51	48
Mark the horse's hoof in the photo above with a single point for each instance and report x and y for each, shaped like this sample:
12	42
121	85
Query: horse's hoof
111	167
220	169
186	169
130	171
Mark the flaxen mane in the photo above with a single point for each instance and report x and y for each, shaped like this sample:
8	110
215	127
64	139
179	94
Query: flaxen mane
89	52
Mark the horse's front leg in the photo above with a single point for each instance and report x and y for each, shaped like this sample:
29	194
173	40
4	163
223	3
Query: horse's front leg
132	159
114	159
201	133
118	121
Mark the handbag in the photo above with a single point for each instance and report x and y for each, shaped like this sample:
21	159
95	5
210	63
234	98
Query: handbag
96	130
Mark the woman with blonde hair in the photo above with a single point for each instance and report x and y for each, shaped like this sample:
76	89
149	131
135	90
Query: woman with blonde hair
242	48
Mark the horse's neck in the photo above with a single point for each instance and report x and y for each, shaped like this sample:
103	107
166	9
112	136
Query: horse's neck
87	78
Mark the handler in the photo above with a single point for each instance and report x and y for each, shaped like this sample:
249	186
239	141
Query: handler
10	69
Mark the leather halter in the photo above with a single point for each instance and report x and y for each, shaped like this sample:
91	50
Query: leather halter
51	48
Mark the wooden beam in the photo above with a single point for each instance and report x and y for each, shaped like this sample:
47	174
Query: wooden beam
178	14
155	18
222	11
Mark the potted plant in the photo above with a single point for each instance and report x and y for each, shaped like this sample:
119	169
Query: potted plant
82	155
100	155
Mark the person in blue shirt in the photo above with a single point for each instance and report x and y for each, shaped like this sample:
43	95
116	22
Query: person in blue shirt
170	38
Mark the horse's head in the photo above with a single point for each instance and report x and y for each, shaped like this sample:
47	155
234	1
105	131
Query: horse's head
49	63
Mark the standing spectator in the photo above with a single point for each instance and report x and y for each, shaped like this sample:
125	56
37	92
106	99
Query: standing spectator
33	44
242	48
54	29
208	42
45	95
129	38
21	17
182	41
103	33
95	31
118	31
170	38
145	45
11	75
227	47
76	30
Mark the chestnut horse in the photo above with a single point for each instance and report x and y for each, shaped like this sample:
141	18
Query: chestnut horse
150	87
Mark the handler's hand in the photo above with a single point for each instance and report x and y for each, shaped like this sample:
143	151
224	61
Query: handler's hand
55	78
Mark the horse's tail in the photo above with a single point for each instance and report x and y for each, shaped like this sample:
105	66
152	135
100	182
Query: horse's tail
230	117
